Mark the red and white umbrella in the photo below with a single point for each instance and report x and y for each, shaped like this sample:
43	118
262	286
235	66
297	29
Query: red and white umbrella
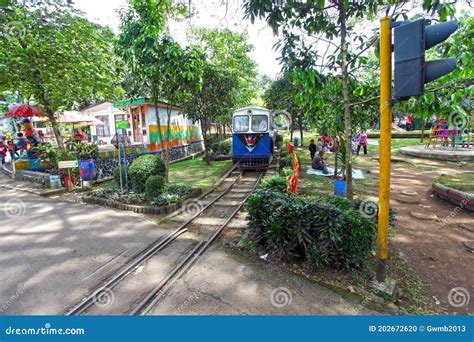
23	110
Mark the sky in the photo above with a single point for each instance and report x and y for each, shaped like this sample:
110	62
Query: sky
211	14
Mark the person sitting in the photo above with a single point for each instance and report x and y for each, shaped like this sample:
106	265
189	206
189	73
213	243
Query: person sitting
312	148
362	141
319	164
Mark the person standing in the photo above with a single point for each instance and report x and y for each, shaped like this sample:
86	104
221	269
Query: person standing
362	141
409	122
312	148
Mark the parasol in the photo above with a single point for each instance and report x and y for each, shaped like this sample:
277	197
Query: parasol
23	110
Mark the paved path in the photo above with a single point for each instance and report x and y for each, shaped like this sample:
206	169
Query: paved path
53	253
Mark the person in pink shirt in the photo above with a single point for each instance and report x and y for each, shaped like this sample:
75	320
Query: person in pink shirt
362	142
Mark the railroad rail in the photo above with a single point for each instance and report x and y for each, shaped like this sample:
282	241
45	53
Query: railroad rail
181	267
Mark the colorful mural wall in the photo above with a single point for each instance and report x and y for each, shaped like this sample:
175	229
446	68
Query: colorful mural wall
182	130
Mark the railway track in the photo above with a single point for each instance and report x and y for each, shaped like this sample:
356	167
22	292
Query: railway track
196	237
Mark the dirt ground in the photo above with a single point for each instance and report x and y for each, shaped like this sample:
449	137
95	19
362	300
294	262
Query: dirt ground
428	234
433	245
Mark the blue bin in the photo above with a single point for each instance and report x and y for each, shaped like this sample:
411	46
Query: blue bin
295	141
340	188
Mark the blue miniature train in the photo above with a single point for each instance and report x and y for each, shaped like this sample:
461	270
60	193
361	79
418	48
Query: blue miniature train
253	139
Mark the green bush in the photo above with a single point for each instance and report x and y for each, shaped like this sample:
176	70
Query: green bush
275	182
154	186
287	171
179	190
116	175
221	148
320	232
144	167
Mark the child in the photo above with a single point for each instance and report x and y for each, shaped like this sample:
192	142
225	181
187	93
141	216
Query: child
3	152
362	141
312	148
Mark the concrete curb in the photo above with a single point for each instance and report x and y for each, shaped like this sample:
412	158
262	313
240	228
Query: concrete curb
459	198
446	155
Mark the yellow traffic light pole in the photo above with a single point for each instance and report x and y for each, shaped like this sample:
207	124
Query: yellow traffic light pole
385	145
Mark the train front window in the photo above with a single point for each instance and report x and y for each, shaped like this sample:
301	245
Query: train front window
259	123
241	123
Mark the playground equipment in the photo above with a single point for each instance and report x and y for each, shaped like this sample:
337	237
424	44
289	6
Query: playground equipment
442	136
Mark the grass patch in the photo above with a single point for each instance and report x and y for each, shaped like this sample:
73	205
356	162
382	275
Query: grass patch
195	173
461	181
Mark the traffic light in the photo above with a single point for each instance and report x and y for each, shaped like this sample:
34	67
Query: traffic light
411	40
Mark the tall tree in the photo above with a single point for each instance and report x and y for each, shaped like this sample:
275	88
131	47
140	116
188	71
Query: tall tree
151	56
305	25
282	94
49	51
229	51
214	99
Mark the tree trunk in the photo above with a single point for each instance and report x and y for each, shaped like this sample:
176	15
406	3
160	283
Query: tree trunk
163	147
204	134
168	133
56	130
345	94
422	130
300	124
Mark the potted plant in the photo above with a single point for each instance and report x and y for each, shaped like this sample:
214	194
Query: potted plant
86	154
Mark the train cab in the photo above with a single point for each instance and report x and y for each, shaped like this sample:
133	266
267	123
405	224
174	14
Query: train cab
252	137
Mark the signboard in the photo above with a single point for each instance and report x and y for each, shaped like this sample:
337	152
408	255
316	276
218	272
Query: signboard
122	124
67	164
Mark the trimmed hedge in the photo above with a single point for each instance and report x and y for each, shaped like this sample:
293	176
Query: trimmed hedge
322	233
144	167
154	187
275	182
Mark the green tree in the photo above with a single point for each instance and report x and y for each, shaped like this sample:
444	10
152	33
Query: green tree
282	94
52	53
213	100
331	22
154	60
229	51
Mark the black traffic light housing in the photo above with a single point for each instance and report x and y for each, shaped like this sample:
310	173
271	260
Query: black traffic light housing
411	40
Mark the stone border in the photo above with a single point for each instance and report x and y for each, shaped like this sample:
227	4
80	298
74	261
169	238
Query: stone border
405	135
459	198
141	209
446	155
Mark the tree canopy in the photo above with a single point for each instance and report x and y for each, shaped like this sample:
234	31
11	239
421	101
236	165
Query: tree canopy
54	55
